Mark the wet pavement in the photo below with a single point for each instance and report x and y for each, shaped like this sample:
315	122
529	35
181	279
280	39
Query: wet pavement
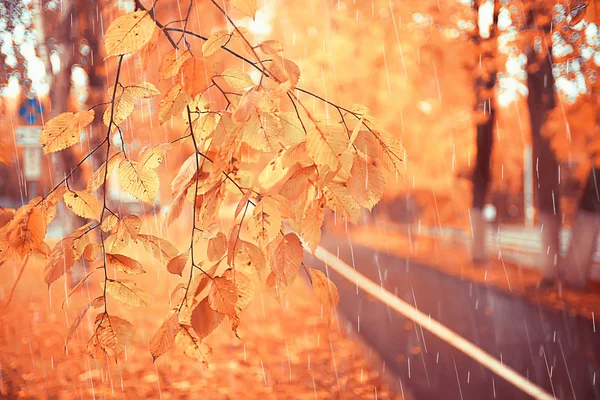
556	351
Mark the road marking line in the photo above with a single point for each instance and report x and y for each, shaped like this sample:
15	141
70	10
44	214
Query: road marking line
432	326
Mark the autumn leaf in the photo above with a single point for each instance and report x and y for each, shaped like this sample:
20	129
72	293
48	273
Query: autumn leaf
142	90
128	33
60	261
271	47
121	109
237	79
248	7
159	248
96	303
125	264
173	103
143	184
324	148
191	345
64	130
265	223
152	156
366	184
312	221
325	290
126	292
246	106
164	338
217	247
83	203
284	70
223	296
287	259
214	43
99	175
195	75
111	335
339	200
26	231
244	288
177	263
92	251
205	320
172	63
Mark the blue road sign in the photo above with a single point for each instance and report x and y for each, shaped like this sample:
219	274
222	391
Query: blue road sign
31	111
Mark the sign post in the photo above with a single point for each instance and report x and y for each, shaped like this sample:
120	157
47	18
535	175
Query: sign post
28	137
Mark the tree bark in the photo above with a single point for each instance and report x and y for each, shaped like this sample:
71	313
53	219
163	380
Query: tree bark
540	102
484	83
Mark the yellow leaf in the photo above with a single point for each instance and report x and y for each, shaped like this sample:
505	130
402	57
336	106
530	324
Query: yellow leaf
128	33
205	320
339	200
248	7
291	127
164	338
142	90
215	41
125	264
99	175
184	176
122	109
366	184
196	75
312	221
64	130
249	255
217	247
109	223
297	182
91	251
172	63
243	203
83	203
128	228
26	231
295	154
325	290
60	261
265	223
271	47
172	103
246	106
152	156
207	206
97	302
244	288
191	345
237	79
160	249
5	155
177	264
141	183
111	335
322	146
126	292
203	126
223	296
284	70
287	259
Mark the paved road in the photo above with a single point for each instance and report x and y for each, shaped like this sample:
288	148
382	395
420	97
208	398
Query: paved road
556	351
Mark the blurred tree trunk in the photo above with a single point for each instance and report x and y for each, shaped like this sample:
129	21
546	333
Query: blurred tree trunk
484	83
541	101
